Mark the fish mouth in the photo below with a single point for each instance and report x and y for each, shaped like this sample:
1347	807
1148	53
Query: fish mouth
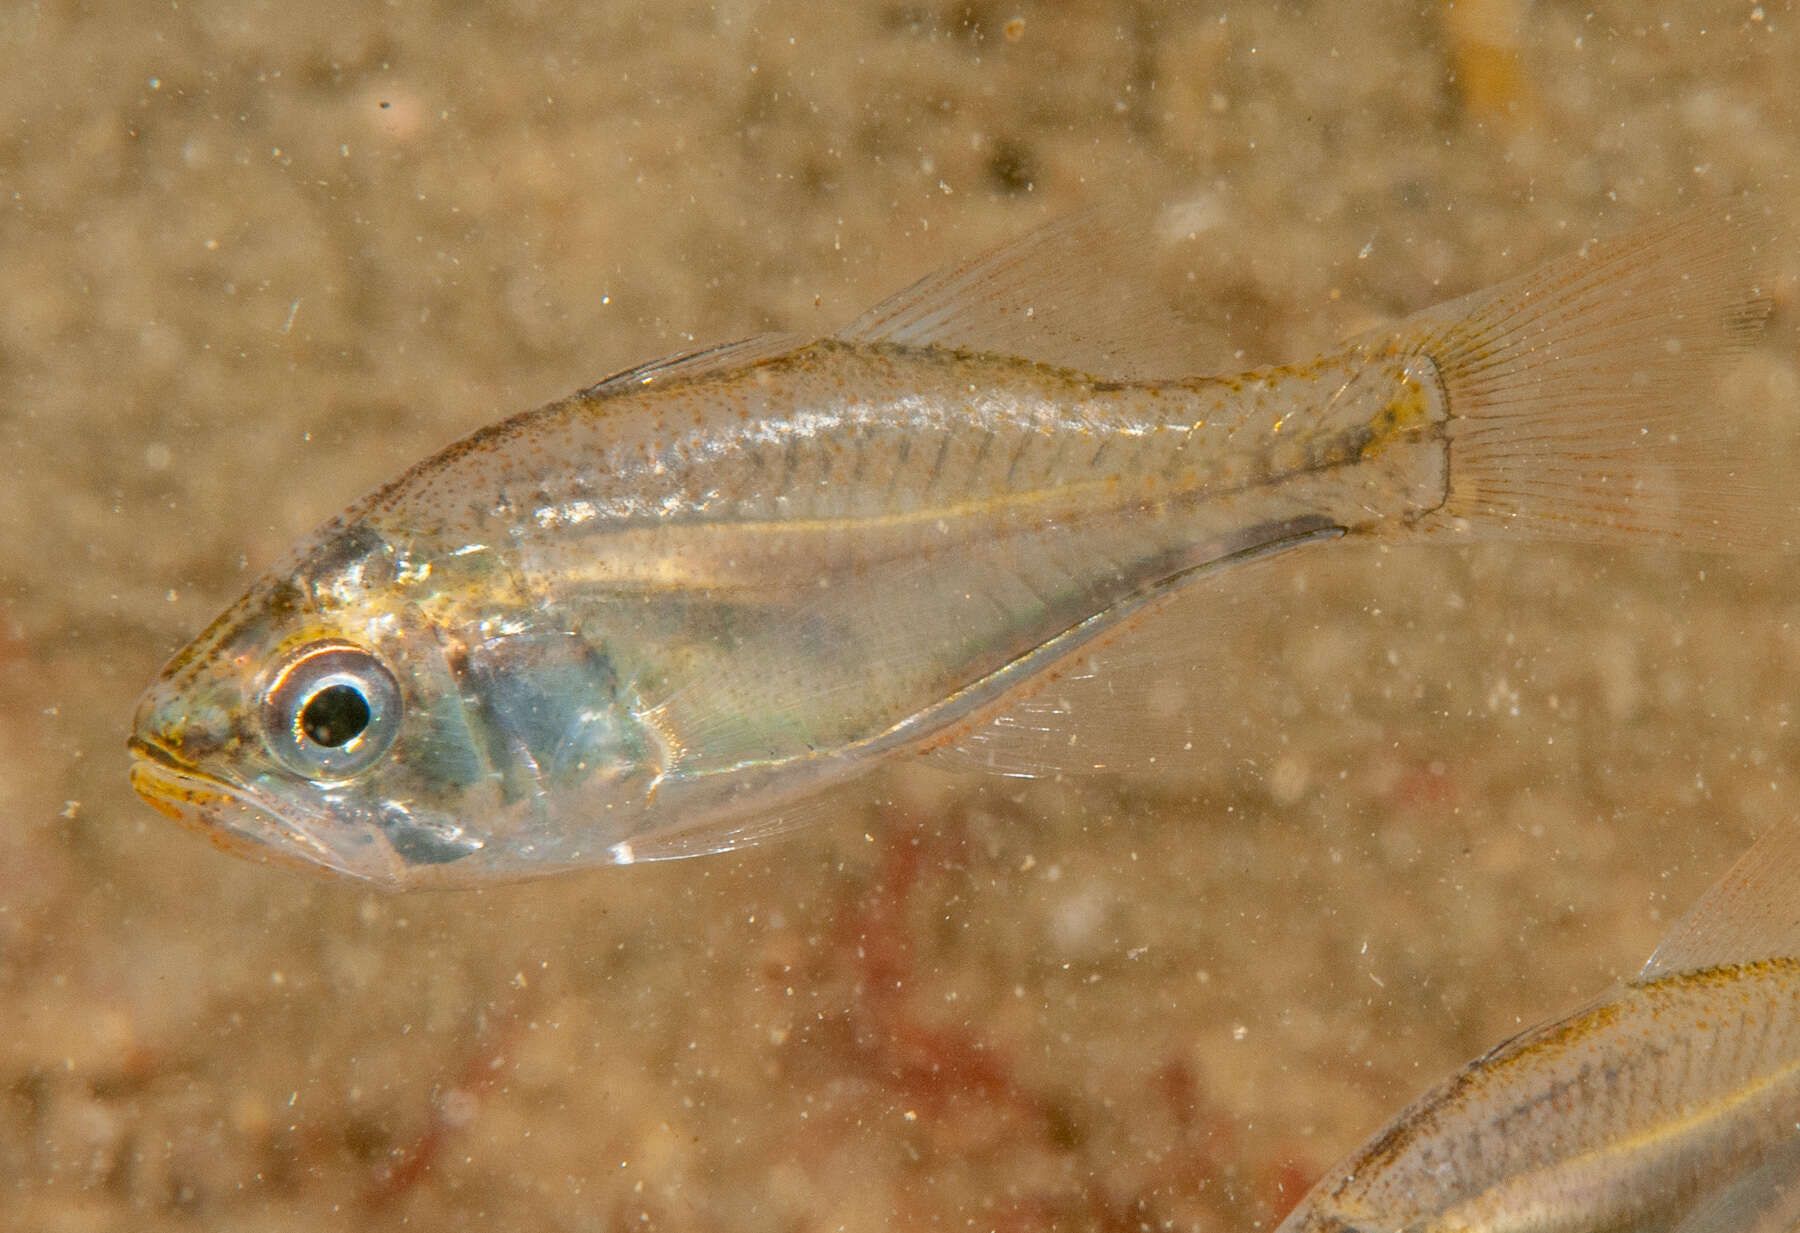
232	817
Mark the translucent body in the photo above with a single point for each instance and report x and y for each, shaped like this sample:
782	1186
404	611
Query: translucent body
656	618
1674	1104
1626	1116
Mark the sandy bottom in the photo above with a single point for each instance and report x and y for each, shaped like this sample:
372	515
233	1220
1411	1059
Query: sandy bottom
255	262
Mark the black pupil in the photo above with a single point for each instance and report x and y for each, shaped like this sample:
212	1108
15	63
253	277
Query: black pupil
335	716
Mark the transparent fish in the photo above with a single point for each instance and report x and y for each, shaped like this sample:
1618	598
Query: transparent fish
1674	1104
660	617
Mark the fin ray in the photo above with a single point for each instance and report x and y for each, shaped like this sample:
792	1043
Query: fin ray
1581	394
687	365
1067	294
1750	914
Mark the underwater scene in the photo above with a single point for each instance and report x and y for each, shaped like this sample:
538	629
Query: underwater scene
786	616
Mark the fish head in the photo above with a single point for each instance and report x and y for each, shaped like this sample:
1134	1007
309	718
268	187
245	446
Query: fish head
315	723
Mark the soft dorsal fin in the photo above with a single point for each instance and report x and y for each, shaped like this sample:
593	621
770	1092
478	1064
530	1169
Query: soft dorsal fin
1069	293
1751	913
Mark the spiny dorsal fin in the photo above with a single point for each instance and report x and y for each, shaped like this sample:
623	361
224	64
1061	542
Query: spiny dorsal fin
1070	293
1750	914
691	364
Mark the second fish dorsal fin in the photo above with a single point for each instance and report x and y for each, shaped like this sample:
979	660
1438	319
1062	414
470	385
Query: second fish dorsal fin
1070	293
1750	914
689	364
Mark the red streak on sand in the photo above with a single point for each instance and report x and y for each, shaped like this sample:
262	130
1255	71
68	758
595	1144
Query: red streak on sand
453	1108
973	1107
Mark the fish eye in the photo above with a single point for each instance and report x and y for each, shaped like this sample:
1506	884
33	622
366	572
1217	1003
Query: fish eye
330	710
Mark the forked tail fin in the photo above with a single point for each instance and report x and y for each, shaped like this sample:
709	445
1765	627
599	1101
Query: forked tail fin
1584	397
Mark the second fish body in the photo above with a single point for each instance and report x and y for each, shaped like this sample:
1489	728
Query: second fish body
1673	1104
659	617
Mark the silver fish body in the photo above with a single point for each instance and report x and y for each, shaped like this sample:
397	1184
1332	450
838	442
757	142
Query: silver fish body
1634	1114
1673	1104
657	618
661	604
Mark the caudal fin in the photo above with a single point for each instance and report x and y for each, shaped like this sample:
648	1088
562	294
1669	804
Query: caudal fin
1585	396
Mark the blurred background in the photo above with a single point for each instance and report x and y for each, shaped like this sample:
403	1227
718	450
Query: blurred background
257	258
